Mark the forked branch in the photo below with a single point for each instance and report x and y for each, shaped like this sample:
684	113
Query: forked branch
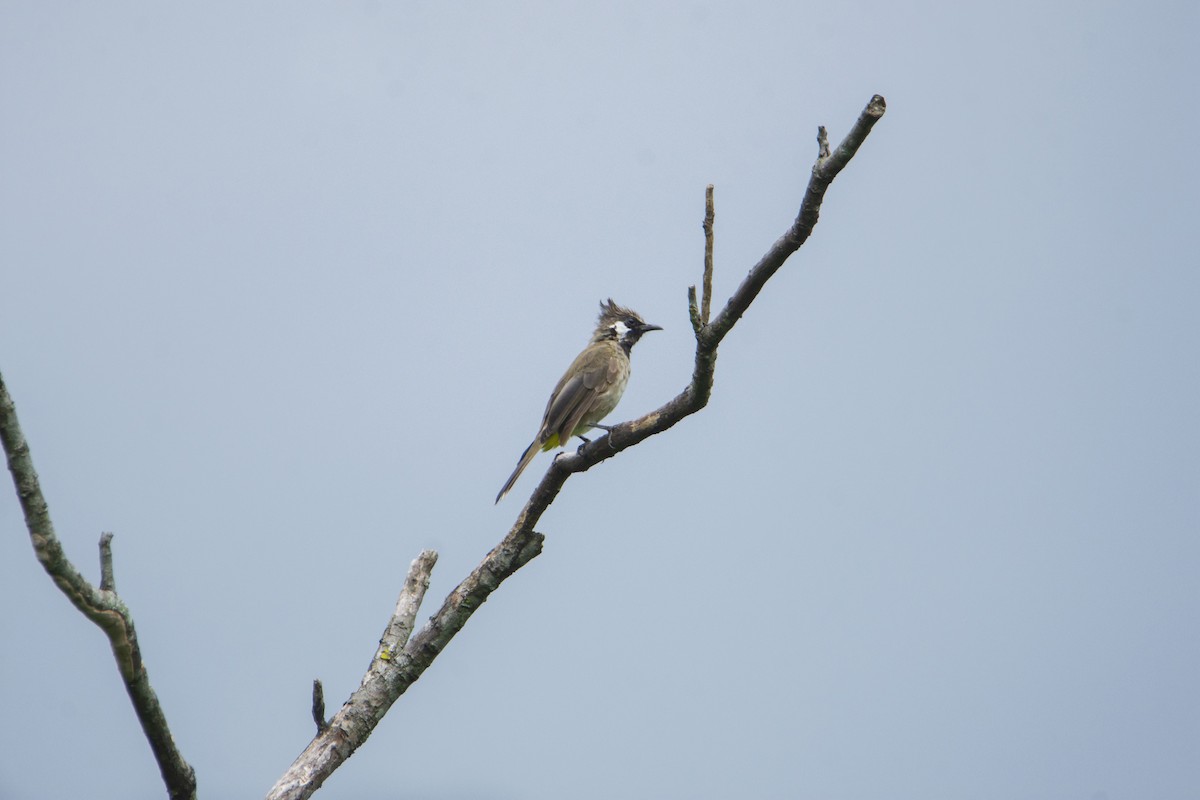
102	606
402	658
349	728
339	737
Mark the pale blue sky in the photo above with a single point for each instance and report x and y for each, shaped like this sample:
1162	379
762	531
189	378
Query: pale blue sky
284	287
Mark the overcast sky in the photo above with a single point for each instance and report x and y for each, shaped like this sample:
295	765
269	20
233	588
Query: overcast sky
284	288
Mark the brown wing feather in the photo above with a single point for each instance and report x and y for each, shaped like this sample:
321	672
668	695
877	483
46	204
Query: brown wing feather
592	373
564	405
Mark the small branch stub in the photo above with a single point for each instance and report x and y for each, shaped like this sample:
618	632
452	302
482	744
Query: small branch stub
318	706
107	582
694	311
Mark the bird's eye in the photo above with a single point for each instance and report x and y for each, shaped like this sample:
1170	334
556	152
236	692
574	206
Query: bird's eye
631	323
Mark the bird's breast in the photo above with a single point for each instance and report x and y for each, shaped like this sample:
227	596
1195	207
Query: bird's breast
608	398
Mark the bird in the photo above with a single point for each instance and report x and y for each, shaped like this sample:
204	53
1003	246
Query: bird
590	388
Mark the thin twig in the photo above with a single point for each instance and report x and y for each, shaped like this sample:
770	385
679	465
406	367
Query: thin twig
823	173
706	297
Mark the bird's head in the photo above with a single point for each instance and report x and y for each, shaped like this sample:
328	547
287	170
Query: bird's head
620	324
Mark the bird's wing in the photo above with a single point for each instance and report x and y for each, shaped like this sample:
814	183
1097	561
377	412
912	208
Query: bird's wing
591	374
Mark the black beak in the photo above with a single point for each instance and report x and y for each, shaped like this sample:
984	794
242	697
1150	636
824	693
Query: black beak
646	327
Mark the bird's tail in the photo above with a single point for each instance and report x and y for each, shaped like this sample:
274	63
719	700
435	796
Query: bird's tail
526	457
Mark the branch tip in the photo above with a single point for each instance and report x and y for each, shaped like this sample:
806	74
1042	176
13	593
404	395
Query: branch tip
706	296
400	626
531	550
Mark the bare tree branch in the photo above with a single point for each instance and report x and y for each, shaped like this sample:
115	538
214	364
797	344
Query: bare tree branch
823	172
102	606
708	336
385	682
338	738
400	627
402	656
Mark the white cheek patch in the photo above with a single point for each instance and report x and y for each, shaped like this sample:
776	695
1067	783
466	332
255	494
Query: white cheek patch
621	328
